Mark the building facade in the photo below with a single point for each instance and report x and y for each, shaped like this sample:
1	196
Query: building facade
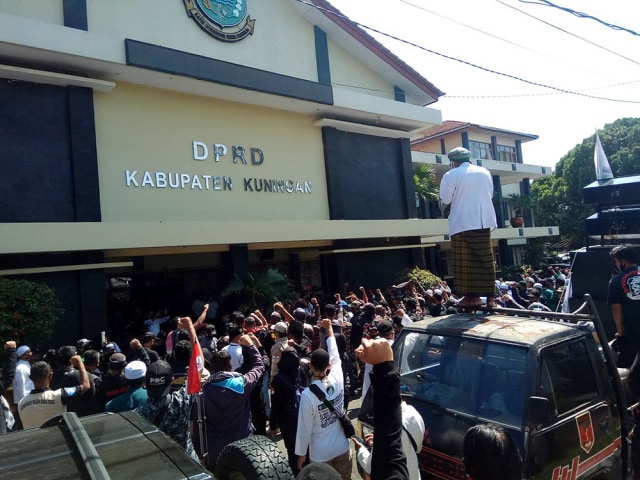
500	151
152	149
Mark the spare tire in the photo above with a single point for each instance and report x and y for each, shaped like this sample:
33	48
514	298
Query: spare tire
253	458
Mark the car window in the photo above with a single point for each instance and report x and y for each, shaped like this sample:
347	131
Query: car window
470	376
568	379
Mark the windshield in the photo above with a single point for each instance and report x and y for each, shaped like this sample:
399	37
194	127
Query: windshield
470	376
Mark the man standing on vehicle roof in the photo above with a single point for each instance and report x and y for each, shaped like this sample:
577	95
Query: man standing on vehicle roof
468	189
624	298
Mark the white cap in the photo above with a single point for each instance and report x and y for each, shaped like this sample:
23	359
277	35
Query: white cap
437	291
281	327
429	292
538	286
135	370
22	350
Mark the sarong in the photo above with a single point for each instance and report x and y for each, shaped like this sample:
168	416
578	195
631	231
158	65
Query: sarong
474	270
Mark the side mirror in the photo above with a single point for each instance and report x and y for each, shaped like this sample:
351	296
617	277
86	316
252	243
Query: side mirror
539	411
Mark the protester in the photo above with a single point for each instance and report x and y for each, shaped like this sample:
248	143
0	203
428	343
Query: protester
285	402
624	298
226	398
319	430
42	404
468	190
490	453
388	461
135	396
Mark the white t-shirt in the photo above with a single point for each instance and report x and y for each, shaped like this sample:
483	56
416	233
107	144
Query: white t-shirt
22	384
318	428
469	190
414	424
235	352
37	408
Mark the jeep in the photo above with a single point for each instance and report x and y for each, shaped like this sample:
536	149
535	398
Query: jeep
550	382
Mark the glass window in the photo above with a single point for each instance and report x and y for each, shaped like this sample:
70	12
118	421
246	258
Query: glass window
480	150
568	379
507	154
464	375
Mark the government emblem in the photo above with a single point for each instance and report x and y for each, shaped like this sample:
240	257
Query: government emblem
226	20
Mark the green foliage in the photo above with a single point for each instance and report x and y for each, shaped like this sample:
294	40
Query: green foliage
424	179
260	290
28	311
519	202
423	277
559	197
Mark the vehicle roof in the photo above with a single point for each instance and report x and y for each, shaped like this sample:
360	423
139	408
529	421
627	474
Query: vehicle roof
502	328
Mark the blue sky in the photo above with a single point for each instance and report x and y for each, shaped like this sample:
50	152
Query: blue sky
533	42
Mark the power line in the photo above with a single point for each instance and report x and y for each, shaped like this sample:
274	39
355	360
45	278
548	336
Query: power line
471	27
565	31
546	3
465	62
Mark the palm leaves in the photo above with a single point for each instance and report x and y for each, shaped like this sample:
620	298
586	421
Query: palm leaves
259	290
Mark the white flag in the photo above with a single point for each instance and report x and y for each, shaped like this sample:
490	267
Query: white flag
603	170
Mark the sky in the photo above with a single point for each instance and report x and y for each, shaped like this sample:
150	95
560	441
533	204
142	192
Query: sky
525	39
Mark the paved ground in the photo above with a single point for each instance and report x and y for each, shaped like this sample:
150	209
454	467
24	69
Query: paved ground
354	408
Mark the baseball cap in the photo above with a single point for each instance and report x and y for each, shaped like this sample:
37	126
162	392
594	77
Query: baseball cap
538	286
281	327
110	346
22	350
135	370
158	379
117	360
148	336
320	359
300	313
385	327
504	286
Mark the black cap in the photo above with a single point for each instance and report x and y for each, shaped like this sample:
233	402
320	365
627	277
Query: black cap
117	361
148	336
158	379
385	327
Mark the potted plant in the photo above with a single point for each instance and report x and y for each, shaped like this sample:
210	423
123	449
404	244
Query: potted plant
519	204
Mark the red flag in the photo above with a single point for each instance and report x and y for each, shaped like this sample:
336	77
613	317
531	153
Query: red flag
195	365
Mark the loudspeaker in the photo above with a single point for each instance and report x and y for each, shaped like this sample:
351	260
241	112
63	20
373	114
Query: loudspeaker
591	271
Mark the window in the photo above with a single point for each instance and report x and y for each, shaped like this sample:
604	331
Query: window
507	154
480	150
519	254
568	380
469	376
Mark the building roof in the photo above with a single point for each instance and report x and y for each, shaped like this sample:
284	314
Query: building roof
351	37
451	126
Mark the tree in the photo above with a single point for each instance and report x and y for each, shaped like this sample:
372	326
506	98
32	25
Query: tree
427	188
259	291
559	197
28	311
424	179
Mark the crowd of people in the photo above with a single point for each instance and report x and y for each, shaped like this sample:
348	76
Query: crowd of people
253	372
